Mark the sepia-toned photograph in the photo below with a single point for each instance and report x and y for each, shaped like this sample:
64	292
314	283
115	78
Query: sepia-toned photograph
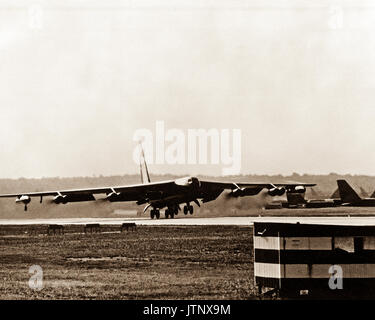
187	151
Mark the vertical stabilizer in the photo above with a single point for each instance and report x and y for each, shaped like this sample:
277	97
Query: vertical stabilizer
143	166
347	193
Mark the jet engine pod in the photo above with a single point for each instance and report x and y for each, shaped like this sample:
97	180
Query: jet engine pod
23	199
113	196
73	198
242	192
299	189
120	196
237	192
60	199
276	191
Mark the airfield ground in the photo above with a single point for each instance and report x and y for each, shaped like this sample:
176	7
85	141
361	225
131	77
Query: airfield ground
154	262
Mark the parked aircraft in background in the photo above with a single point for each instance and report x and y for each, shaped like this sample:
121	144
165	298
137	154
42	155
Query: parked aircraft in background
350	198
344	195
297	200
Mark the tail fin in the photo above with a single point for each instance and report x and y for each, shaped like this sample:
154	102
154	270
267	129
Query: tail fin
347	193
143	166
295	198
373	195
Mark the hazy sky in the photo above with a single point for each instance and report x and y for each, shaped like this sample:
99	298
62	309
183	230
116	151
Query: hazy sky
77	78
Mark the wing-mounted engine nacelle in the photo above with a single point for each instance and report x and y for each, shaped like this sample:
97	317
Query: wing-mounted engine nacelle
237	192
64	199
77	197
113	196
298	189
242	192
60	199
23	199
277	191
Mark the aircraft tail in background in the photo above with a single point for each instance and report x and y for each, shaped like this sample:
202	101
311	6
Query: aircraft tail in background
347	193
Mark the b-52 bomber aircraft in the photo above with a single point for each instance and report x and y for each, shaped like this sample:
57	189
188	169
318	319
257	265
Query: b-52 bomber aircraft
164	194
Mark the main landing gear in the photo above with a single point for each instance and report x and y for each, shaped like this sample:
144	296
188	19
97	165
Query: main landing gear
188	209
171	212
155	213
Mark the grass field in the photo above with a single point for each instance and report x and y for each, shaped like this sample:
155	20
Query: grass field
166	262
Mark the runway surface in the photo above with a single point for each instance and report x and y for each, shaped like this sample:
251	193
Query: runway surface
240	221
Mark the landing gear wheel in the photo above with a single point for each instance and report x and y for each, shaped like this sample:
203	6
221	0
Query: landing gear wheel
186	210
191	209
157	214
172	214
152	214
166	213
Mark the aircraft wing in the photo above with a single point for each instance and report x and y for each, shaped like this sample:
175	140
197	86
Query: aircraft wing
137	189
240	189
233	185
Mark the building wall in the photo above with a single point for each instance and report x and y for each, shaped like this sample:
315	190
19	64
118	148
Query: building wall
297	259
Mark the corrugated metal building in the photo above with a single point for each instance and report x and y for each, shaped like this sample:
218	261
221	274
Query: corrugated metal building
315	258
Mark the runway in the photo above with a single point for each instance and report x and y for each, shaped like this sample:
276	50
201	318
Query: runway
240	221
